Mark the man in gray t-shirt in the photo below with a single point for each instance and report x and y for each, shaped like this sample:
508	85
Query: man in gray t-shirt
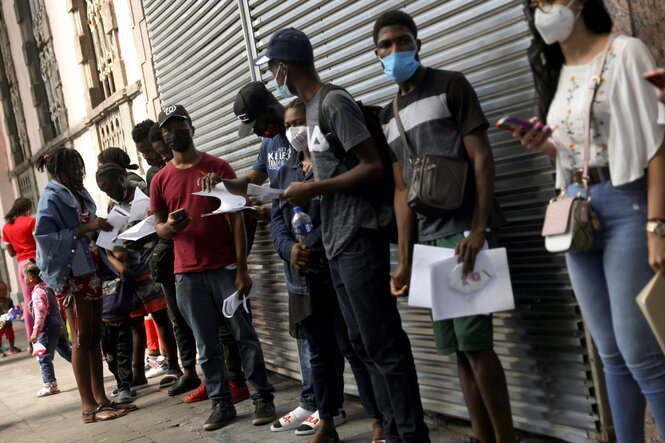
343	214
358	254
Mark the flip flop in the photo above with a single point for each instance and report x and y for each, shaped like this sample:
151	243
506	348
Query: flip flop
113	406
92	417
376	426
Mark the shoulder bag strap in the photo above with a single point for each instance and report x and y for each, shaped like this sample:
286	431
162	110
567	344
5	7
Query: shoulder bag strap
594	84
405	144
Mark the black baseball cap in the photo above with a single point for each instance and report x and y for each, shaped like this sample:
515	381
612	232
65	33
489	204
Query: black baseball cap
288	45
251	100
173	111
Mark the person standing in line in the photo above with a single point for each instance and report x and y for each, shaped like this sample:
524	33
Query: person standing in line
19	241
68	259
441	116
626	184
357	252
210	265
141	137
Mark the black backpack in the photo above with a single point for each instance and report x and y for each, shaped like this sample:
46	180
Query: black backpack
382	192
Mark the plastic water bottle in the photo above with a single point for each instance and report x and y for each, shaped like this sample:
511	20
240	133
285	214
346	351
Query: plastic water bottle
301	224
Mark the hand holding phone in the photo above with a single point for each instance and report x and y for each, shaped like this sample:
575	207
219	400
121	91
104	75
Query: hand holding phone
657	78
510	123
179	220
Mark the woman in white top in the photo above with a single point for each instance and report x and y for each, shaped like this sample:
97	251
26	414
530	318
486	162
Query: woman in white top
626	142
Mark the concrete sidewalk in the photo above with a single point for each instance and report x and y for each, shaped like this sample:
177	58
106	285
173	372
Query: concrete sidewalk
24	418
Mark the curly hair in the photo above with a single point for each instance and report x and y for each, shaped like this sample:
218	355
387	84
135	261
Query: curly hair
394	17
31	269
155	134
141	130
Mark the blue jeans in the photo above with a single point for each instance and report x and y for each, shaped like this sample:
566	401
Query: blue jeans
361	275
606	281
307	395
329	343
200	296
54	339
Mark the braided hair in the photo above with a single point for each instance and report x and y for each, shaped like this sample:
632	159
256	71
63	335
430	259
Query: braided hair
21	206
59	162
110	170
117	156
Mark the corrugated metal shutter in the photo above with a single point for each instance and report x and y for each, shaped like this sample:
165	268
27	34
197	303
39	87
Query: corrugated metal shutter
201	62
541	344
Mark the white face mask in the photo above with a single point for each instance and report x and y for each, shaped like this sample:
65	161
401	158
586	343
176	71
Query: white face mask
297	136
555	22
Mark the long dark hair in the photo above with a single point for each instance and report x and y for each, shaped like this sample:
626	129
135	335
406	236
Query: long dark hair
546	60
21	206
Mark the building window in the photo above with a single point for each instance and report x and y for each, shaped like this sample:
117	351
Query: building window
11	101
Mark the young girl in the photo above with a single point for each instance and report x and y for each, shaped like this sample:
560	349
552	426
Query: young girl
68	261
6	328
48	328
625	185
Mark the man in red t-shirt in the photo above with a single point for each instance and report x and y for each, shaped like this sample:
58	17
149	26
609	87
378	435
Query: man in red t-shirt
210	265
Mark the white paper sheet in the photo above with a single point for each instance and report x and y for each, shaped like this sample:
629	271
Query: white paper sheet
117	218
232	302
228	202
139	230
139	207
264	194
420	290
496	296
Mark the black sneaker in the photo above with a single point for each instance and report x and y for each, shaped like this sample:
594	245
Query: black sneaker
170	378
222	414
139	381
264	411
184	384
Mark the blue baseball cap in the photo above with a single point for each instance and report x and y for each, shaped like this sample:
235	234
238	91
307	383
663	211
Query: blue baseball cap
288	45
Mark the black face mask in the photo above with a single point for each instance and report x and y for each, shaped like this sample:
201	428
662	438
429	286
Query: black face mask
179	140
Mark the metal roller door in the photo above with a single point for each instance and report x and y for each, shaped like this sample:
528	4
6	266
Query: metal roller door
201	62
542	343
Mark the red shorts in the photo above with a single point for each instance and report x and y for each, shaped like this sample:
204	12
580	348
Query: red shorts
7	332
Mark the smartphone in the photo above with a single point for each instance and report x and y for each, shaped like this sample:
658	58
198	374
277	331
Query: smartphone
657	78
510	123
180	214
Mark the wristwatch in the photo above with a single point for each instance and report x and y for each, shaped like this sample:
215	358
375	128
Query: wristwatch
657	227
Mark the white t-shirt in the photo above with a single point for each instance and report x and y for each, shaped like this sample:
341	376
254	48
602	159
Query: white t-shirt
625	132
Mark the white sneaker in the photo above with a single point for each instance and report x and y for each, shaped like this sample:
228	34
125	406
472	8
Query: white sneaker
313	422
157	367
290	420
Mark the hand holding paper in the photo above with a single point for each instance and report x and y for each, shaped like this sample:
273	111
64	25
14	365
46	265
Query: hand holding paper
117	218
233	301
228	202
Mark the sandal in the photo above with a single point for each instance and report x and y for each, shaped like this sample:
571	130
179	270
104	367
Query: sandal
329	432
376	426
113	406
93	417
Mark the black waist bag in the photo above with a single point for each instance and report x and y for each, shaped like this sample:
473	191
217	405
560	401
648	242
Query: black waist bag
161	262
437	185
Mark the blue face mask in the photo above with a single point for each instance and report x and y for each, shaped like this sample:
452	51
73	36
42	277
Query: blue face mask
400	66
283	90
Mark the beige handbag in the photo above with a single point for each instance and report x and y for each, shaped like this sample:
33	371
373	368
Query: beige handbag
569	222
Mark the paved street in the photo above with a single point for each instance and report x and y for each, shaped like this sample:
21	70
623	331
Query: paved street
24	418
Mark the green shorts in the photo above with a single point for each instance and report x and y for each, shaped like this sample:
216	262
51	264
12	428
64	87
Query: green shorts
472	333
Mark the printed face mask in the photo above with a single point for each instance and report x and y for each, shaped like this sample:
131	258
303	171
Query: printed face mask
555	22
283	90
297	136
179	140
400	66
